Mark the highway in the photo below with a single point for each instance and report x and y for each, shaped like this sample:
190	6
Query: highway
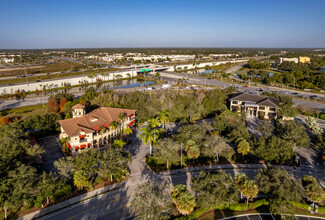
191	79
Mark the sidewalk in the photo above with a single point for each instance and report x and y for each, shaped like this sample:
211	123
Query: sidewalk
223	166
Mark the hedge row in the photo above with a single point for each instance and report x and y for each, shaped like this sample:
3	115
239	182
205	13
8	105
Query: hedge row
243	207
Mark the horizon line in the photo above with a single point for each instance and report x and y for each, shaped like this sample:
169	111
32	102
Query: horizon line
67	48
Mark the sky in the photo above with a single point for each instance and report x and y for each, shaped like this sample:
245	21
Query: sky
38	24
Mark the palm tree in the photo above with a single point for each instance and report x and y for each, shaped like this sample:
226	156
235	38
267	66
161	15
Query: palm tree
92	76
163	116
101	131
243	146
103	75
154	122
127	130
118	143
114	126
106	74
149	136
65	142
122	118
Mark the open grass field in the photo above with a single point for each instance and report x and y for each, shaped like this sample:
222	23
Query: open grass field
26	111
46	68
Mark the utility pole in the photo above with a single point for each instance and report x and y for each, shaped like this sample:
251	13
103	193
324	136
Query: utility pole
181	155
26	77
43	97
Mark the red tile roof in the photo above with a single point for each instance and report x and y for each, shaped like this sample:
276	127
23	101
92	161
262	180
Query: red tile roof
78	106
90	122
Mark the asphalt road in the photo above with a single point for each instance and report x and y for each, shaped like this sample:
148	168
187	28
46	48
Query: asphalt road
114	205
251	89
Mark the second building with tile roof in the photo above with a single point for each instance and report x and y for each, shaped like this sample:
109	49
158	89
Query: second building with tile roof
255	105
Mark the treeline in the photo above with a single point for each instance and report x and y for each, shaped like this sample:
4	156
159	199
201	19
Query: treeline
301	75
253	64
228	138
184	106
218	190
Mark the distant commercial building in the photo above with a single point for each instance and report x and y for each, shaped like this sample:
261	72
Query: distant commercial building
8	60
133	54
296	60
284	59
217	56
92	57
304	59
107	59
171	57
255	105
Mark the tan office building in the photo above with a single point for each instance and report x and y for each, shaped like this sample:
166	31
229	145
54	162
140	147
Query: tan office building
255	105
304	59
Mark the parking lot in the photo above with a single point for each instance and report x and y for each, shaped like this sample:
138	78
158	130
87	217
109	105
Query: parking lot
52	153
267	216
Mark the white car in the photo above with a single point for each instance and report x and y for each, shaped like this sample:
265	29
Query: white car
165	86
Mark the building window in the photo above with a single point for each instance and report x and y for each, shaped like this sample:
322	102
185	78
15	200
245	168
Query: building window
261	108
235	102
272	109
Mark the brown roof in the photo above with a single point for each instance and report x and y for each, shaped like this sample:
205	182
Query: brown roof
88	123
78	106
257	99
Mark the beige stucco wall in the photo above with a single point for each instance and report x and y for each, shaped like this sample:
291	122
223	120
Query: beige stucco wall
93	137
266	109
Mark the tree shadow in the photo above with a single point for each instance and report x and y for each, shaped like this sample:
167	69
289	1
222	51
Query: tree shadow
108	203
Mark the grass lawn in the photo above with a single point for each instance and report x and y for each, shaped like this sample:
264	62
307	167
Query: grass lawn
45	68
26	111
218	214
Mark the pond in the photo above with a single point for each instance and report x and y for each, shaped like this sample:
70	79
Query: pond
251	76
203	71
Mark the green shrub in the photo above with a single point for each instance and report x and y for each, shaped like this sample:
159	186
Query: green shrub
99	179
61	193
151	161
321	210
300	205
236	207
258	203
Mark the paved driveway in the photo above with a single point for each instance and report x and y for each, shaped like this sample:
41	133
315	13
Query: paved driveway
52	153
